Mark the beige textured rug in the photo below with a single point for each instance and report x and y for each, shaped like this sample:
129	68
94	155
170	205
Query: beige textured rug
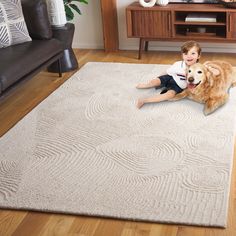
87	150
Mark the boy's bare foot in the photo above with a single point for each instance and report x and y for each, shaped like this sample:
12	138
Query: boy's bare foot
140	103
140	86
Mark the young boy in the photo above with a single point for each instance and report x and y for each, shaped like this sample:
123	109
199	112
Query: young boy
174	80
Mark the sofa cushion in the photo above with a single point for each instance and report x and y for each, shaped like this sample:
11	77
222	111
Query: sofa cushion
36	18
19	60
13	29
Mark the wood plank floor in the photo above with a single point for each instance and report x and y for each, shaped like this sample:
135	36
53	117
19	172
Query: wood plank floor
27	223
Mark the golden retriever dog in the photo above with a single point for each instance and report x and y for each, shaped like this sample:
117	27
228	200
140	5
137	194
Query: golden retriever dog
209	83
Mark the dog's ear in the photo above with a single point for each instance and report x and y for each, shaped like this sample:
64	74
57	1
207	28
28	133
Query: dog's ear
213	68
214	71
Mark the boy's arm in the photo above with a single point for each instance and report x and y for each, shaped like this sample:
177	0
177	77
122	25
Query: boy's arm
172	69
175	69
169	70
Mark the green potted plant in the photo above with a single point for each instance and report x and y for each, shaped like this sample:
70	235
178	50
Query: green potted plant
71	7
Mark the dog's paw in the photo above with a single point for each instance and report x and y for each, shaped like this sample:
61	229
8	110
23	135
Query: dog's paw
207	111
213	104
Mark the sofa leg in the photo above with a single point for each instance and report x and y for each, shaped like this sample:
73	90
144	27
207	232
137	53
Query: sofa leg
59	67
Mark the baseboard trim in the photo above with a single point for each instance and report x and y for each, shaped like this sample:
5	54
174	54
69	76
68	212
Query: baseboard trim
87	46
221	48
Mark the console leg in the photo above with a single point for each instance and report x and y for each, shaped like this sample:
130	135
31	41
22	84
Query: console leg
146	45
141	41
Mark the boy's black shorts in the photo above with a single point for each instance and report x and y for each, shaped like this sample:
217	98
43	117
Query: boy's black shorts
168	82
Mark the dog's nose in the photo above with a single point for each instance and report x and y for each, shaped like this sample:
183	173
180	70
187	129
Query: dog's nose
190	79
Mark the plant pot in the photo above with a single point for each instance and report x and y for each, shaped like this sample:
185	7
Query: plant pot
56	12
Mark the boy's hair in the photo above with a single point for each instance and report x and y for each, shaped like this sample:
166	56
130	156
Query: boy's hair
188	45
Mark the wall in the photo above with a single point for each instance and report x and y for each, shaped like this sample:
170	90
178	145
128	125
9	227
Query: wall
88	26
88	32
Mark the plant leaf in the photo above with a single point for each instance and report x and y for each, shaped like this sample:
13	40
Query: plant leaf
75	8
82	1
69	13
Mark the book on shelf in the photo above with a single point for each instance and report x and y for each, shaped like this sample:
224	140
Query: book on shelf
201	17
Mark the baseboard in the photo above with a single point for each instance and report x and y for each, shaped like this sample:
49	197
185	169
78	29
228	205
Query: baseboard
87	46
221	48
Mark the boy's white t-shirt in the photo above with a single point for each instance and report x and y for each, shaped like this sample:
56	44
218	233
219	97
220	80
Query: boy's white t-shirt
178	72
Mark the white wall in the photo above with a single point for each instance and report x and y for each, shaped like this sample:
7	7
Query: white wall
88	26
88	33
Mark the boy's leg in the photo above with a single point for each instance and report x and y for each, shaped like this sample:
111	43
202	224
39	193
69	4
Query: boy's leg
164	90
158	98
151	84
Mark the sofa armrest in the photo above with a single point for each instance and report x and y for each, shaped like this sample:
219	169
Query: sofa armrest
36	18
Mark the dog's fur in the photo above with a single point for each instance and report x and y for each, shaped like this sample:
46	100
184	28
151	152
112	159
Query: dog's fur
209	83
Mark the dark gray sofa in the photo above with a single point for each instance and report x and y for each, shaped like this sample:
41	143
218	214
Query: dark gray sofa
22	61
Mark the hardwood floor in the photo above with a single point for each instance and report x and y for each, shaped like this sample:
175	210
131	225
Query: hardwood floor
27	223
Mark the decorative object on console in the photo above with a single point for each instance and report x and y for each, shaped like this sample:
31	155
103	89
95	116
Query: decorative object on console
56	12
194	1
13	28
201	17
201	30
162	2
151	3
228	3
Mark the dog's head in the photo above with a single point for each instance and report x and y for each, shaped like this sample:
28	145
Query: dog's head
196	74
199	74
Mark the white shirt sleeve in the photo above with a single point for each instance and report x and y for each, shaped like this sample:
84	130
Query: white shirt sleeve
176	68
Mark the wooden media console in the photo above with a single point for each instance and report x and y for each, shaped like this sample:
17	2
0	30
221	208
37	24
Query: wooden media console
181	22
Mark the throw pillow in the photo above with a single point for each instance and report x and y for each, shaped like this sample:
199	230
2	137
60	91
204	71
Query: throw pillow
13	29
